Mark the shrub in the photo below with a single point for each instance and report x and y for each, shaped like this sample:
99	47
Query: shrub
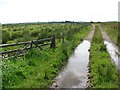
5	37
35	33
42	35
16	35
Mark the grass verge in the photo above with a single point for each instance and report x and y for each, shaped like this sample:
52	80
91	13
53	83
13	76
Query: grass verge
113	33
103	73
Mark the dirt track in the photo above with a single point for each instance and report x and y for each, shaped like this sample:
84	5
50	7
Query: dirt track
75	73
90	35
107	38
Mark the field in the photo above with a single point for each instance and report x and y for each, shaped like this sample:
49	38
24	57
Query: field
38	67
45	64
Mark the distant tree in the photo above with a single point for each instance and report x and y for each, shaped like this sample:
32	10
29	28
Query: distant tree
91	22
98	22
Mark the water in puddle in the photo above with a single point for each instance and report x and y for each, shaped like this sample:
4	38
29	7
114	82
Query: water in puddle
74	75
113	53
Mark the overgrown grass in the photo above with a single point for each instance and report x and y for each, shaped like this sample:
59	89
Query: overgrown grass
38	68
14	33
103	72
112	32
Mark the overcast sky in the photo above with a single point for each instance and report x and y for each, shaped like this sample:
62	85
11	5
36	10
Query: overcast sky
15	11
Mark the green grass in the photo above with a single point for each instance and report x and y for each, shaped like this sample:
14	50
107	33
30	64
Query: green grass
17	32
38	68
103	73
112	32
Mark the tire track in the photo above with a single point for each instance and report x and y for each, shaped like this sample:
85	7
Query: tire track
112	48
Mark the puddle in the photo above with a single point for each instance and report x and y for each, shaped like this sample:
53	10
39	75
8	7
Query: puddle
74	75
112	49
113	53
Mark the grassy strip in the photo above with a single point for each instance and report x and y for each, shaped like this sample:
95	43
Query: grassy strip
38	68
103	72
112	32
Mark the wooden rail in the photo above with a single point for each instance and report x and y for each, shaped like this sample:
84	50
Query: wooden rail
27	46
14	44
35	43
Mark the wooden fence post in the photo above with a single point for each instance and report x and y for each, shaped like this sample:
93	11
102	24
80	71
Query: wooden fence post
63	37
53	44
31	42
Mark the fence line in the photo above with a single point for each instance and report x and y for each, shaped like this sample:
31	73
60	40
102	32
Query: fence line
35	43
28	45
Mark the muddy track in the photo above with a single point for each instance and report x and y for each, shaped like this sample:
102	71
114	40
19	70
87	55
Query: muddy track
90	35
112	49
107	38
75	73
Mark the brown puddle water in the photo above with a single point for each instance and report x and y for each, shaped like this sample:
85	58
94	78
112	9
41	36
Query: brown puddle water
74	75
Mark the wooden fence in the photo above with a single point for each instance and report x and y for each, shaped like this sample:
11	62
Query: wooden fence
27	46
34	43
31	44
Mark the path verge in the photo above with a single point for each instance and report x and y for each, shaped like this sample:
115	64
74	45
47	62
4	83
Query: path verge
103	73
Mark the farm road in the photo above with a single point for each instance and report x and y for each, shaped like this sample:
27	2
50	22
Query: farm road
75	73
111	48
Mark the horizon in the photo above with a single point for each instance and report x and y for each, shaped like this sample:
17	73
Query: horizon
60	22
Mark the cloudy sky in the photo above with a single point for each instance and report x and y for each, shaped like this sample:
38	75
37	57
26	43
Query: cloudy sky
15	11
